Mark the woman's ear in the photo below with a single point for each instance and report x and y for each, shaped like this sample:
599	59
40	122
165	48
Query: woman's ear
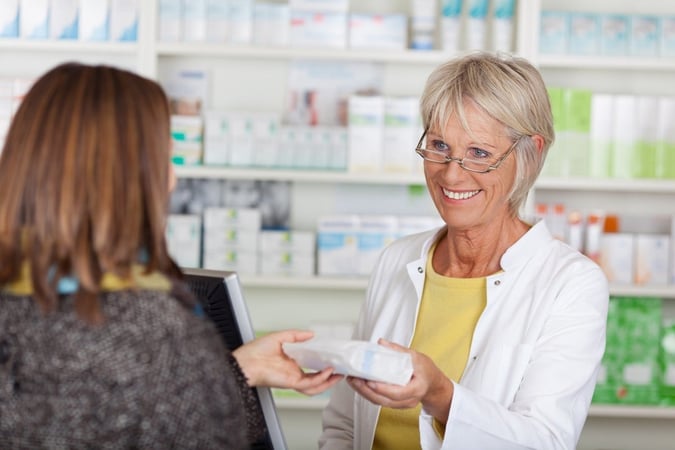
172	177
538	142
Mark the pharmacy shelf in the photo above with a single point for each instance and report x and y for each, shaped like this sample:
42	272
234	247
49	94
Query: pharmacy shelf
63	46
609	411
606	63
609	185
308	176
289	53
360	283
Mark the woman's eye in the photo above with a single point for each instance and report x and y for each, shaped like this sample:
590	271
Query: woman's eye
439	146
477	153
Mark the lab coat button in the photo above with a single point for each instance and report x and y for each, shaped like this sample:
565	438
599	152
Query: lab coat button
420	270
498	282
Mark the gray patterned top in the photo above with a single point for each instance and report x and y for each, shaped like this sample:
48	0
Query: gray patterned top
151	376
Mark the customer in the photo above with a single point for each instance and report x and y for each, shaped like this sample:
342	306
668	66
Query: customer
505	324
99	345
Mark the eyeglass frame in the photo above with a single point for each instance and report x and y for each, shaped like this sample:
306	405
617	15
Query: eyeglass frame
460	161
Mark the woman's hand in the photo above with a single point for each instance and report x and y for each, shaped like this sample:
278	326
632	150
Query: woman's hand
428	385
265	364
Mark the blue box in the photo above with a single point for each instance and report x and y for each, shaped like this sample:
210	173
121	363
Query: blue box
553	32
584	34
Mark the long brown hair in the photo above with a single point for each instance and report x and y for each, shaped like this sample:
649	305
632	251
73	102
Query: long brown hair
84	182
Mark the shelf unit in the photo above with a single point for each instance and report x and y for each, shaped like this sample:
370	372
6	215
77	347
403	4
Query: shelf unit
339	298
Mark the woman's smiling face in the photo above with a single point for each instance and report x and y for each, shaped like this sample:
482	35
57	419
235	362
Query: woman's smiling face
464	199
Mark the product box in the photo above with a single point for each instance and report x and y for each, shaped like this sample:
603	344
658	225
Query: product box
624	136
416	224
652	259
218	239
34	19
402	130
170	27
336	245
617	256
667	39
475	31
338	158
336	6
502	25
451	25
600	151
298	242
241	21
378	31
287	263
646	147
94	20
236	218
320	141
374	234
183	237
271	24
187	137
216	138
665	138
194	20
9	19
124	20
645	35
241	140
265	137
614	34
584	34
423	19
243	262
217	20
63	19
366	133
318	29
554	32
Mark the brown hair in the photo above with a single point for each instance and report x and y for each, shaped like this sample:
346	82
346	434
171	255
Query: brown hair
510	90
84	177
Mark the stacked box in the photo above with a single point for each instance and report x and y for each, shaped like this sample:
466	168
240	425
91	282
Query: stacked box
187	137
374	234
231	239
287	252
183	237
336	244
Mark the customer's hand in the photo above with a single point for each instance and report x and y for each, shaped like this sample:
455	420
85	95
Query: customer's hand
265	364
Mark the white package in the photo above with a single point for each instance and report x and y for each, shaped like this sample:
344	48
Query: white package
361	359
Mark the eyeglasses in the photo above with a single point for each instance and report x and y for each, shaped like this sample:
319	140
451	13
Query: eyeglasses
475	159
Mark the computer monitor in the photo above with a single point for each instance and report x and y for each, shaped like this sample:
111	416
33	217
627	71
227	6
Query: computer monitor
221	296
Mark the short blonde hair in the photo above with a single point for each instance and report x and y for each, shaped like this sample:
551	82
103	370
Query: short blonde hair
510	90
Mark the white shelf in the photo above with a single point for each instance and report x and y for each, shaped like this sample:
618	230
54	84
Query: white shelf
283	53
608	411
605	63
311	176
611	185
37	46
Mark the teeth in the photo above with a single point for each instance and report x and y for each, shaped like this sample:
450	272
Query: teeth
459	195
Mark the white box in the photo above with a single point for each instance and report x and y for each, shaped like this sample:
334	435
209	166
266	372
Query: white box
9	18
241	21
336	244
614	33
94	20
502	25
124	20
451	25
340	6
266	137
378	31
216	138
667	36
554	32
183	238
584	34
286	263
242	262
366	133
617	257
238	218
217	20
652	257
241	140
187	136
645	34
416	224
318	29
194	20
63	18
402	130
170	20
339	156
34	19
297	242
271	24
475	31
374	234
240	239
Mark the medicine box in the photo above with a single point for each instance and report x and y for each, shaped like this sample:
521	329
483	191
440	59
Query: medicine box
366	132
318	29
124	20
617	257
614	33
94	20
34	19
286	263
237	218
63	19
652	258
645	34
553	32
187	137
9	19
584	34
183	237
378	31
222	239
300	242
170	20
336	244
243	262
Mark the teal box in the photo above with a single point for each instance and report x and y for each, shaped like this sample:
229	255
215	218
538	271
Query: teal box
645	35
584	34
614	32
554	32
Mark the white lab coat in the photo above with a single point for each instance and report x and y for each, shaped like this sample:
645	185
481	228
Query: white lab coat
533	360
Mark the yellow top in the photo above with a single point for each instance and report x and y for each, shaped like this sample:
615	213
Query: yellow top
448	314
